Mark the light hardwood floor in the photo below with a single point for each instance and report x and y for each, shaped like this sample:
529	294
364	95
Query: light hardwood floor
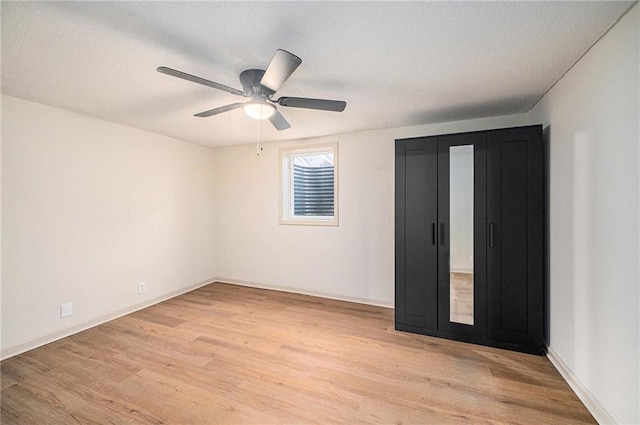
226	354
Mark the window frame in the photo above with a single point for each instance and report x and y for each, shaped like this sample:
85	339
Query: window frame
285	171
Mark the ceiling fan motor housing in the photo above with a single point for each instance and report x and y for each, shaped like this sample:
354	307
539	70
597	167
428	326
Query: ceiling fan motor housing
250	80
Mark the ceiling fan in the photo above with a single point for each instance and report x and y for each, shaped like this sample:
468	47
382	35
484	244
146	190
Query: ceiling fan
260	86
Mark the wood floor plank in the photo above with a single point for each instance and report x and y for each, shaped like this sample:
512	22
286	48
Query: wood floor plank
235	355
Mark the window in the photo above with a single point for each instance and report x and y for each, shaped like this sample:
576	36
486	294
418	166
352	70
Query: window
309	185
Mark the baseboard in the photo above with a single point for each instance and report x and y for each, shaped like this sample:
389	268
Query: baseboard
591	403
305	292
49	338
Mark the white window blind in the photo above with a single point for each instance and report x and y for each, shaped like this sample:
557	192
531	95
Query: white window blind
313	185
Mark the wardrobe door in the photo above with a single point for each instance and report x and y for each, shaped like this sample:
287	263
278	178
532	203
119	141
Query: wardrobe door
515	225
461	234
416	250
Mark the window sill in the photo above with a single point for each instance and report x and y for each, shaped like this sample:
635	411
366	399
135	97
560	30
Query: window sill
310	222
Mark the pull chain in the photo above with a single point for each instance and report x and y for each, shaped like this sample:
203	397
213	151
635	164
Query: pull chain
258	147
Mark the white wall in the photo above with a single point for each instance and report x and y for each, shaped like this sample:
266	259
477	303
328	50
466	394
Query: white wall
353	261
593	119
91	208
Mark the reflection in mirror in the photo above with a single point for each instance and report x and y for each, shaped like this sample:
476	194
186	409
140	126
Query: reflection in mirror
461	234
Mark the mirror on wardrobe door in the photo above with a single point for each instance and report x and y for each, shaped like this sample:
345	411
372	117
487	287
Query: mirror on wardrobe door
461	234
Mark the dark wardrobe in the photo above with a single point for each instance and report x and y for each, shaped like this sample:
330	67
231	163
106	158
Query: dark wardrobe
470	237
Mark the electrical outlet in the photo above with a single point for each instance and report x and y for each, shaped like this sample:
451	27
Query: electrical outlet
66	310
142	288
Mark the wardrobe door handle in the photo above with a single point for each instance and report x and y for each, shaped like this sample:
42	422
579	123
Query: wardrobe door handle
433	233
491	240
441	233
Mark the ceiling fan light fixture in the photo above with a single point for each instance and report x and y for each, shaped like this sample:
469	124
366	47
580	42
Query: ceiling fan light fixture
259	110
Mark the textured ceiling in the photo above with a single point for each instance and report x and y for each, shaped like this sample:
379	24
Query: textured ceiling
394	63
